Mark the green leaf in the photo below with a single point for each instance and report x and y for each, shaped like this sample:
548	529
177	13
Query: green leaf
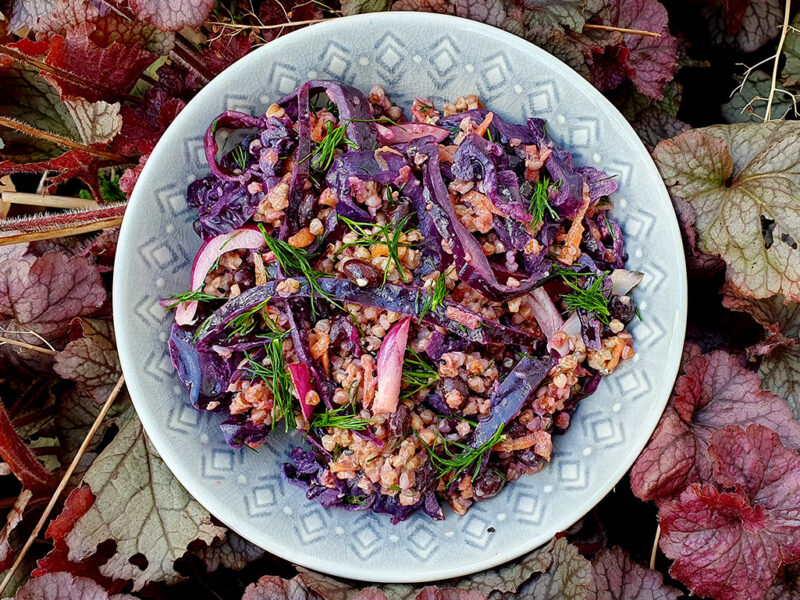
28	98
791	51
749	102
142	507
780	365
356	7
743	184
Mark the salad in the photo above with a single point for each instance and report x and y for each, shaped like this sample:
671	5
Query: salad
425	297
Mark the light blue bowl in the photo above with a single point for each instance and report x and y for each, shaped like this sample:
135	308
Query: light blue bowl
411	55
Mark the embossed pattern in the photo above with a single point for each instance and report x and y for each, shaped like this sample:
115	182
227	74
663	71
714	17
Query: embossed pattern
411	55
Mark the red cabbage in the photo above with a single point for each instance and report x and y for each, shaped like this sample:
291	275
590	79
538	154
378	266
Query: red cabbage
222	205
203	371
230	119
509	398
406	300
239	431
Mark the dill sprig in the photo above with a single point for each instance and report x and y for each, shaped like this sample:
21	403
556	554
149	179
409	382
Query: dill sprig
339	419
245	323
418	374
191	296
326	150
540	202
275	375
388	235
458	457
298	260
239	157
590	299
434	297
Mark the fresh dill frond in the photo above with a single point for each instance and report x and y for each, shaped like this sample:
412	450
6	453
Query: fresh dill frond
191	296
339	419
277	378
418	374
383	119
590	299
326	150
388	235
355	500
298	261
540	202
457	457
434	297
489	134
245	323
239	156
610	229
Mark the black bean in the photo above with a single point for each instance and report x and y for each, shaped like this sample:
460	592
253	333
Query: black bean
622	308
487	485
356	270
244	277
400	420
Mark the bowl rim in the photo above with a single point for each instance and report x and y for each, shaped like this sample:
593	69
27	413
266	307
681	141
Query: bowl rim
153	423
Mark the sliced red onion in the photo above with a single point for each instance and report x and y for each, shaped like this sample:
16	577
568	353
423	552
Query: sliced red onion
546	313
623	281
390	368
210	251
301	378
404	133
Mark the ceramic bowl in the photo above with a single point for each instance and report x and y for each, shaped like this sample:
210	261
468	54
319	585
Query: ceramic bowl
411	55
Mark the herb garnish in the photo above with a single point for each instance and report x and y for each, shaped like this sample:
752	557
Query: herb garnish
434	297
239	157
388	235
338	419
191	296
294	260
326	151
456	462
278	381
590	299
245	323
418	374
540	202
355	500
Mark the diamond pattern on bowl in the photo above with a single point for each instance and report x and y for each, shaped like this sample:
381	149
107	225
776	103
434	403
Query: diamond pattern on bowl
365	540
422	542
527	507
541	98
411	55
336	61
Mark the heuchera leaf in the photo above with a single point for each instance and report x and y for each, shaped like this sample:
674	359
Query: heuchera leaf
714	392
172	15
142	507
43	295
569	576
75	506
743	24
648	61
791	51
617	577
272	587
116	66
26	13
740	180
91	358
653	125
780	368
749	103
787	585
63	586
356	7
14	518
730	544
233	552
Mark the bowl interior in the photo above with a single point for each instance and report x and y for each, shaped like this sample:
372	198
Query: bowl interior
411	55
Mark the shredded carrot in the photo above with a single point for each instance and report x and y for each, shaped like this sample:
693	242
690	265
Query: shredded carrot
485	124
520	443
482	202
570	251
326	363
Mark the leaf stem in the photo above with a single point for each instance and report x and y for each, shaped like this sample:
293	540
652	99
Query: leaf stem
5	340
63	141
622	30
48	200
63	483
655	547
774	82
22	461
